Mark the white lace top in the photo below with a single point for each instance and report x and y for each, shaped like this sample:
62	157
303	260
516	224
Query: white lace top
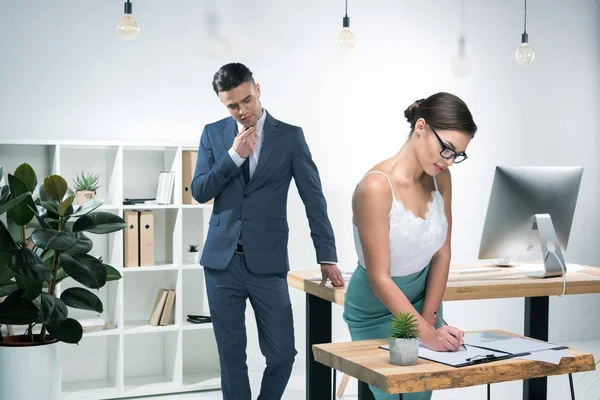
413	240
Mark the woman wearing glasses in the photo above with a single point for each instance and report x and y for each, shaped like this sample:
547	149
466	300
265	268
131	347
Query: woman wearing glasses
402	224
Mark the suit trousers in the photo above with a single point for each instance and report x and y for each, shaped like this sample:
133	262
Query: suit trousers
228	291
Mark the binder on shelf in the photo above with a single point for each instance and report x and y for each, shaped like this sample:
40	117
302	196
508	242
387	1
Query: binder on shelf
168	308
189	159
131	234
146	241
159	304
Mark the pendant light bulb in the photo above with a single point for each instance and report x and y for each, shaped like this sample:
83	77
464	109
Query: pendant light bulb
127	27
461	65
346	37
525	54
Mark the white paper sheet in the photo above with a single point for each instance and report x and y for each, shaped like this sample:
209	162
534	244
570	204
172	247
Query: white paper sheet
506	343
549	356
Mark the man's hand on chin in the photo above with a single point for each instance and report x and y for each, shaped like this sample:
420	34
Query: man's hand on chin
331	272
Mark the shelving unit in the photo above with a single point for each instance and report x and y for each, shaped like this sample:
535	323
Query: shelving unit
136	358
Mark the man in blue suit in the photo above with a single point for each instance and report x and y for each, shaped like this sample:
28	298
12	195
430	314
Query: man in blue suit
246	163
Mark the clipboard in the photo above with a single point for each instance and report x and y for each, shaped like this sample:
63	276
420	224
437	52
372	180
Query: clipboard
472	356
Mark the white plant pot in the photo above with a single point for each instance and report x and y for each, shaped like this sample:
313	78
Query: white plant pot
193	257
29	370
404	351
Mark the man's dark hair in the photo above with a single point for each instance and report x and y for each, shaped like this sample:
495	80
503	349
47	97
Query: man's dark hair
230	76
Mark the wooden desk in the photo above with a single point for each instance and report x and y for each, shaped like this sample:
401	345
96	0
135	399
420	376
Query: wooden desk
497	284
368	363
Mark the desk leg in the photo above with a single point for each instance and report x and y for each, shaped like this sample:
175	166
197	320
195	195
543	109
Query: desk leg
571	385
537	310
318	330
364	393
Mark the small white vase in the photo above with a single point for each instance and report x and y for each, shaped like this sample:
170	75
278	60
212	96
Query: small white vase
404	351
21	362
193	257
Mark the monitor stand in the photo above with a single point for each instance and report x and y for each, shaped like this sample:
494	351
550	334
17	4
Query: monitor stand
551	253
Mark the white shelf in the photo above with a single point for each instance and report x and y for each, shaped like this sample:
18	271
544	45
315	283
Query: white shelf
202	381
135	359
188	326
197	206
134	327
91	390
149	385
153	268
108	332
143	206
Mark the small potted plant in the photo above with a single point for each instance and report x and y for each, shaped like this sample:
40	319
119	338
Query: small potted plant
193	254
404	339
86	186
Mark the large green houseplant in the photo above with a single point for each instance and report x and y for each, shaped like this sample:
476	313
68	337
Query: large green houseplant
43	242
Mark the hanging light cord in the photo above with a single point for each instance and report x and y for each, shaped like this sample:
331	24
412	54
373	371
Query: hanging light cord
525	22
346	8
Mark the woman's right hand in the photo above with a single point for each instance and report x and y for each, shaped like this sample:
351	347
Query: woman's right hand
445	338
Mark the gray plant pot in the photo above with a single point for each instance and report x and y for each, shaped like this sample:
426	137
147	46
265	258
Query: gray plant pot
404	351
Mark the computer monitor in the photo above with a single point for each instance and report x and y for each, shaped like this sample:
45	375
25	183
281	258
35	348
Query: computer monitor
531	209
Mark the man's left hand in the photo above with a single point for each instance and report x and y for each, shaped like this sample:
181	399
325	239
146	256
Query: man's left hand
331	272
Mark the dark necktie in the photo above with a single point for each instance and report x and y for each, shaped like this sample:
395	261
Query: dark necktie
246	170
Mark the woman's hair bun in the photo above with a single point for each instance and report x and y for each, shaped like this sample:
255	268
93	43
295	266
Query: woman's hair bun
411	112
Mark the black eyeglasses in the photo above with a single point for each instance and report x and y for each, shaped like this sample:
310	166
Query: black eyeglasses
447	152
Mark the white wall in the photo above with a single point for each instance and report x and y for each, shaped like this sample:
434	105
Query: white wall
65	74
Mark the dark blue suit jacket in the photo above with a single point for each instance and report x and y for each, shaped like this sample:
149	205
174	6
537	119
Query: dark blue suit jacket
259	210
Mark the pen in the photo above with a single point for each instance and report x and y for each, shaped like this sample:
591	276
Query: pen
442	322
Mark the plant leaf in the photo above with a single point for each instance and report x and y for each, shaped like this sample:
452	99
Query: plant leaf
13	202
51	239
111	273
20	214
26	263
54	311
17	310
27	175
85	269
43	195
64	206
82	245
88	207
82	299
31	288
4	193
55	187
6	239
100	223
51	207
68	331
39	213
7	287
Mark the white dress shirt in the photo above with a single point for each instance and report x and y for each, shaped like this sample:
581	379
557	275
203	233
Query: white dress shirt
238	160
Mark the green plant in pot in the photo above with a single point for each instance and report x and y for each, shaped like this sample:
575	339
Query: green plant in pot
404	339
42	243
86	185
193	254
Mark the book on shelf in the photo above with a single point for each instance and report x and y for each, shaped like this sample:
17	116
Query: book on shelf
164	189
163	307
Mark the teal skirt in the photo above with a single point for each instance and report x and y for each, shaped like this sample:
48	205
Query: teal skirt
368	318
